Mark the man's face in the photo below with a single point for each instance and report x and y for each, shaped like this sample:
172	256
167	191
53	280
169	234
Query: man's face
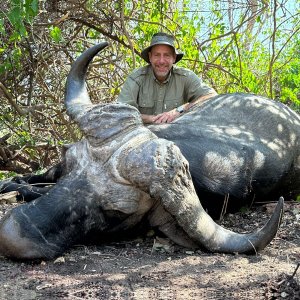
162	58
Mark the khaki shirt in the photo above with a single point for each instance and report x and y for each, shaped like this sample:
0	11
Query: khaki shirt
151	97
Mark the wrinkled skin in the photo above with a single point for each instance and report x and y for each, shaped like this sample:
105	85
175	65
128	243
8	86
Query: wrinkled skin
122	173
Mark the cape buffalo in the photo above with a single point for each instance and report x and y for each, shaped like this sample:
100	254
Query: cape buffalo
123	172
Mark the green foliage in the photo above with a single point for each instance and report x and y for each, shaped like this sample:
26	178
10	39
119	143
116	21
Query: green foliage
289	83
6	175
13	30
21	14
25	138
55	34
244	209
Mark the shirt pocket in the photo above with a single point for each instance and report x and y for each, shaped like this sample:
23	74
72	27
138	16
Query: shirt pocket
172	103
146	105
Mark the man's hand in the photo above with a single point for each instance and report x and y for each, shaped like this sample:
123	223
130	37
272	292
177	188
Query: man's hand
148	119
166	117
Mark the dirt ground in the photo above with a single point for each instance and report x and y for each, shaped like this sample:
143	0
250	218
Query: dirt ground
150	267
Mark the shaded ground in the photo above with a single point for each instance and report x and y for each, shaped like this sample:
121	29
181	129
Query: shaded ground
152	268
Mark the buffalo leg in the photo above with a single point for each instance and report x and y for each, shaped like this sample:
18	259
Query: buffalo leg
30	187
50	176
25	191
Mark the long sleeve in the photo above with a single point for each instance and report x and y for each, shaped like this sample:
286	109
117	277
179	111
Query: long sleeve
129	92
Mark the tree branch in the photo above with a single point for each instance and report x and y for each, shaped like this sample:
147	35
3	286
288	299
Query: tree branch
9	97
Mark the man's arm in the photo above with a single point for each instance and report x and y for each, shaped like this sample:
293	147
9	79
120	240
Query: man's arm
170	116
129	92
200	100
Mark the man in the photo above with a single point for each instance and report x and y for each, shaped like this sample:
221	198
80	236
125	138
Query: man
161	91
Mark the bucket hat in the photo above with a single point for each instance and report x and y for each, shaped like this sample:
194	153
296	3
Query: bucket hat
161	38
